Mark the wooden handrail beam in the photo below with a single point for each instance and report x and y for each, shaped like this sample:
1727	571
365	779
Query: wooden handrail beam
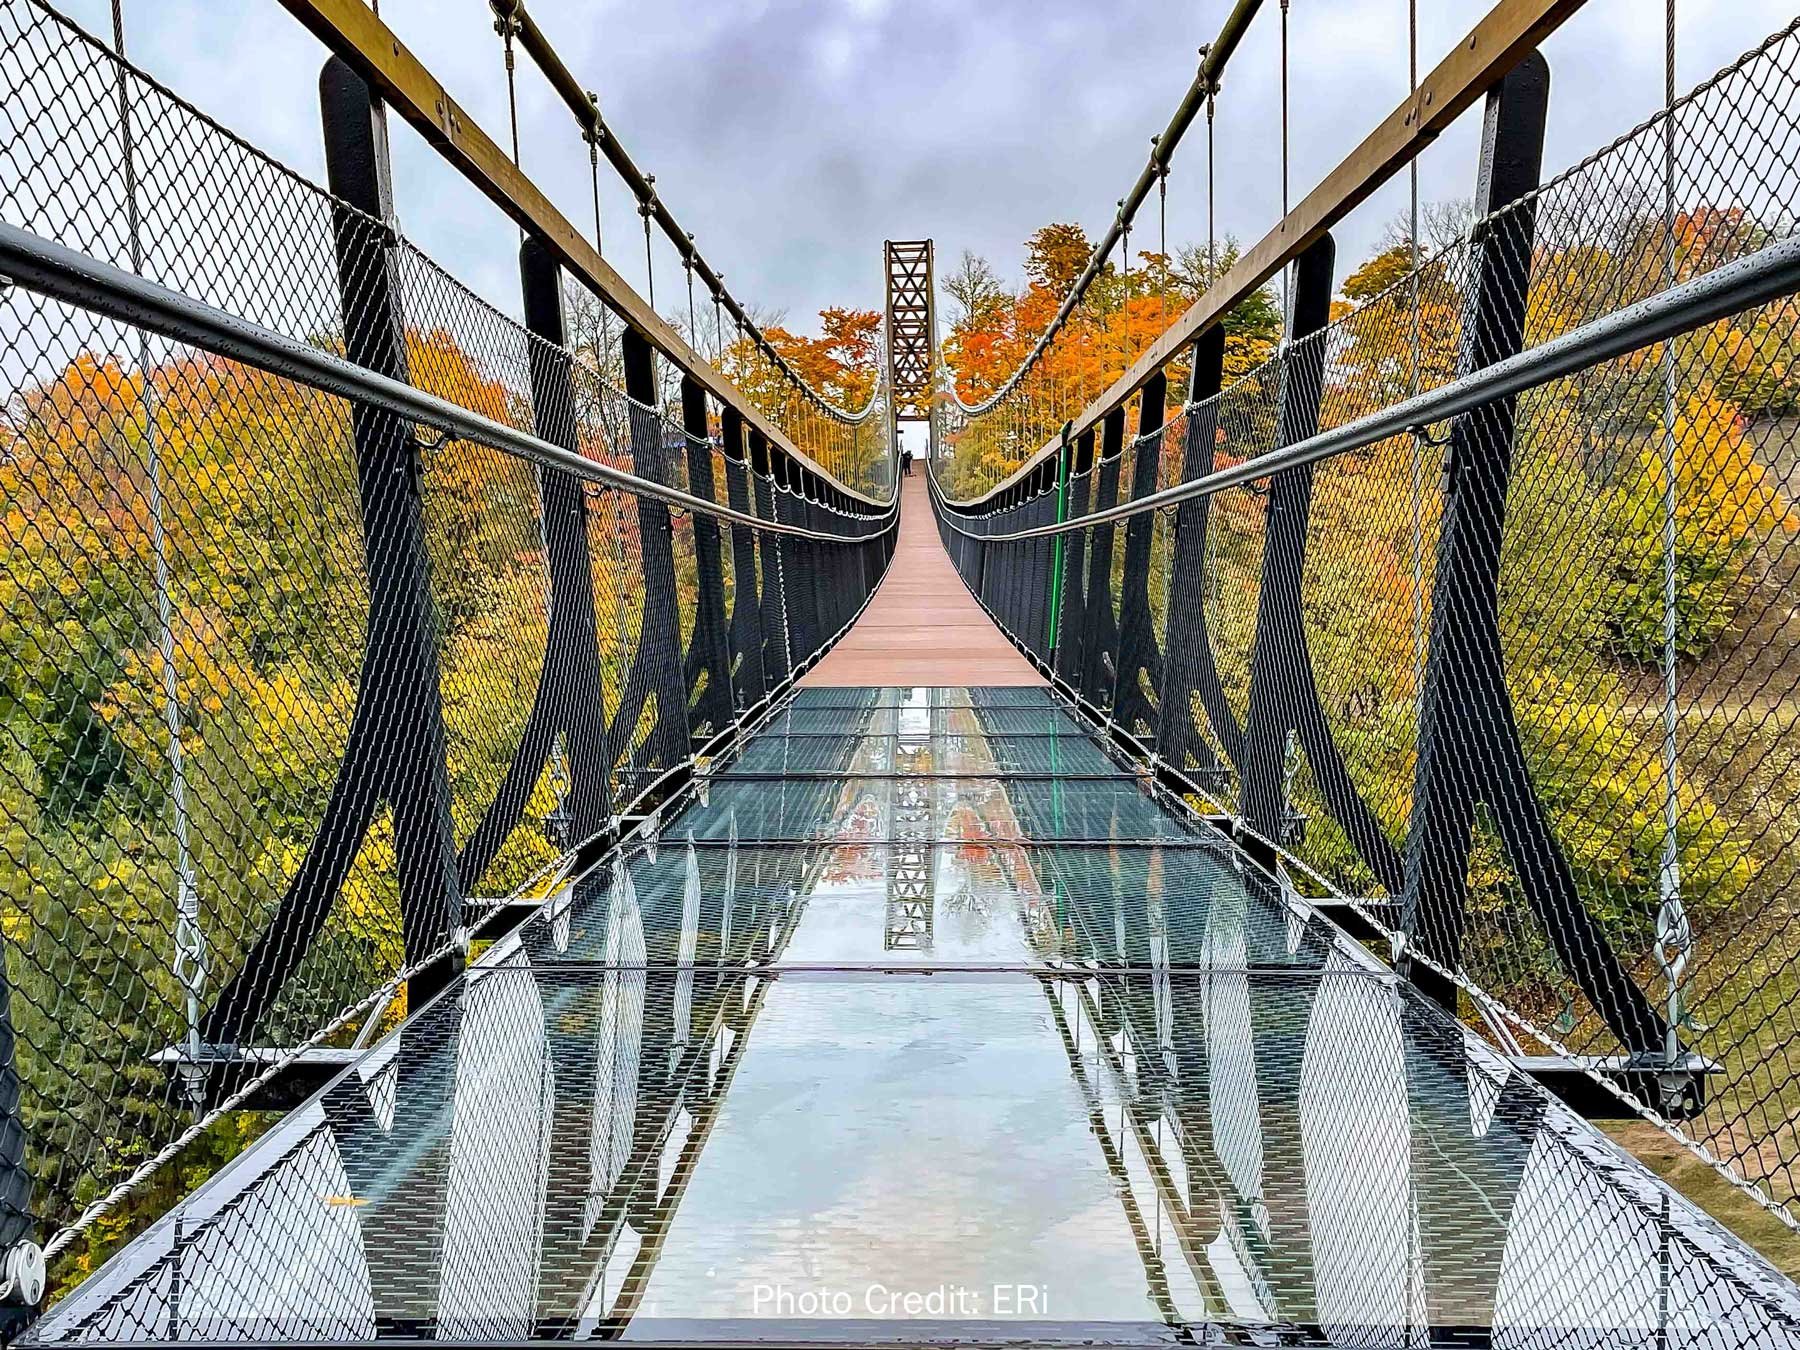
349	29
1477	63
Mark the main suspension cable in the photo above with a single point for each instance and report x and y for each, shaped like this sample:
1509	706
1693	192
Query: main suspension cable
516	21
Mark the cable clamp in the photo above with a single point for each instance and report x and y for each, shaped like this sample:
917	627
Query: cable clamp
22	1274
1422	430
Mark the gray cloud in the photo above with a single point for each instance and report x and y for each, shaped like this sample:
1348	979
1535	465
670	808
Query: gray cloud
793	136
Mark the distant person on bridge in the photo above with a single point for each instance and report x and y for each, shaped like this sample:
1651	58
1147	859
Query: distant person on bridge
906	463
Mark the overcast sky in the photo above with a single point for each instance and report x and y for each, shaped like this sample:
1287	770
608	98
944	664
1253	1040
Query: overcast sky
794	136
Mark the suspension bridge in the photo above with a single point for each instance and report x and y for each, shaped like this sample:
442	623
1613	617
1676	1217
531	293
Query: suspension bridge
553	827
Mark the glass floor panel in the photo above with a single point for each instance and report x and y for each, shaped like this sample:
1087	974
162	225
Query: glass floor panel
880	1090
1065	753
974	809
1009	906
917	721
1117	1157
981	696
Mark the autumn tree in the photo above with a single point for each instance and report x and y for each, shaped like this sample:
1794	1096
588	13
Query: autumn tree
977	291
1120	315
1055	257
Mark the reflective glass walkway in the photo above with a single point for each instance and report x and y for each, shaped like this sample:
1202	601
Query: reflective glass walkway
924	1022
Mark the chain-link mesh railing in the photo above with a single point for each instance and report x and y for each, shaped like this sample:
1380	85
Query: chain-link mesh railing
334	601
1518	683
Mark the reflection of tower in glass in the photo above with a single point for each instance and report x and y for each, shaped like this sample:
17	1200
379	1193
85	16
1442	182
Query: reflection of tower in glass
911	899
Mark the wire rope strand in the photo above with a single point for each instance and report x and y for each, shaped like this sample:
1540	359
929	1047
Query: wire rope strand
1212	262
1417	455
593	141
507	27
1125	258
1162	222
1287	272
188	964
1674	937
649	261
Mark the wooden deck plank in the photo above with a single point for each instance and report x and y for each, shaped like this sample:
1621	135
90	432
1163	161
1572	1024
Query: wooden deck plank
922	627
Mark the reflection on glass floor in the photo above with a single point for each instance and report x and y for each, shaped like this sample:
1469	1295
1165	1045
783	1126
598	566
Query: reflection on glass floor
974	1063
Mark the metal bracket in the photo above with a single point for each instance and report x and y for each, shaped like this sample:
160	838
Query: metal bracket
1678	1092
22	1274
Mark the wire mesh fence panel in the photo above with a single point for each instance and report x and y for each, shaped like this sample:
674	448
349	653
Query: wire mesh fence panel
175	671
487	547
297	685
1617	727
1372	542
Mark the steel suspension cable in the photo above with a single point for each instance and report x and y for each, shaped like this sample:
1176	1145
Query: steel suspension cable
189	961
506	27
1212	262
649	261
1414	385
1674	936
1288	271
586	109
687	265
1212	64
605	341
594	175
1162	226
1209	575
1125	254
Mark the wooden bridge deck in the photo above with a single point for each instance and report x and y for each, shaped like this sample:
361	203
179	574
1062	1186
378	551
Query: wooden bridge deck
922	627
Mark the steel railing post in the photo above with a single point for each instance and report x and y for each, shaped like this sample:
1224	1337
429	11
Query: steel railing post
1189	667
1100	639
1071	627
746	608
1469	746
569	702
1138	655
708	656
776	661
396	744
1269	716
657	662
1056	543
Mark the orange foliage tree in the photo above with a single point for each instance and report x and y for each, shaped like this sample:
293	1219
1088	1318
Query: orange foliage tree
993	329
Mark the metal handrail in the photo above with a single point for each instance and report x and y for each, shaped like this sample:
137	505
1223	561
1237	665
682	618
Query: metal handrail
60	273
1764	276
356	34
1474	65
